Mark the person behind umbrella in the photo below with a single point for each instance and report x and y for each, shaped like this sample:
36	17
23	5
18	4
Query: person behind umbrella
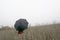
20	25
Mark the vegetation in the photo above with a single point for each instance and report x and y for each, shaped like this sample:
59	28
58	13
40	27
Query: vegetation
45	32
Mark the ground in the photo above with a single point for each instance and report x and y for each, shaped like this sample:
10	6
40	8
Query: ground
44	32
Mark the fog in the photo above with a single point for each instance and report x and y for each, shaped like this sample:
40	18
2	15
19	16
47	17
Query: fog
35	11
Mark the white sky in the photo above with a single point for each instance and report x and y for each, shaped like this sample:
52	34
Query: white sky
35	11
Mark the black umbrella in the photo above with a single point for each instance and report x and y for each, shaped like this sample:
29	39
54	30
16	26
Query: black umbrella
21	25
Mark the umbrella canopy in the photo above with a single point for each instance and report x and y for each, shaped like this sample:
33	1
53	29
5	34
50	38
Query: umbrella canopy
21	25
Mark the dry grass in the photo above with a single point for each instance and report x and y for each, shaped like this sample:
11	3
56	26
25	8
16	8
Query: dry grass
46	32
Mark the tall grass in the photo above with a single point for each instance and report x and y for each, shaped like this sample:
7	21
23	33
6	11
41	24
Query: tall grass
46	32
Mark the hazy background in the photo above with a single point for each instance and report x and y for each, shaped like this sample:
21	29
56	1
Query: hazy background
35	11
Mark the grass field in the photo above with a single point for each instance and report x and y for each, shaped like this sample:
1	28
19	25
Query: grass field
45	32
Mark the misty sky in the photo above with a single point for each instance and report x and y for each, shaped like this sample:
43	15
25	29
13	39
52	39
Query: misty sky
35	11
